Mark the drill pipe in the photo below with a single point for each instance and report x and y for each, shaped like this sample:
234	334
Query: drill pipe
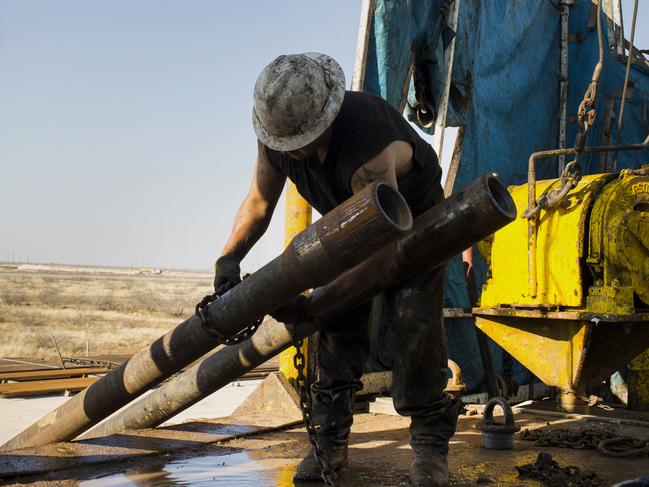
341	239
455	224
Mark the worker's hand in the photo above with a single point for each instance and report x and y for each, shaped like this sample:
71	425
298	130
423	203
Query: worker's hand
294	312
227	274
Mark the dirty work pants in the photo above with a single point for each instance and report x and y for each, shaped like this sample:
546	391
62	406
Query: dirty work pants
415	310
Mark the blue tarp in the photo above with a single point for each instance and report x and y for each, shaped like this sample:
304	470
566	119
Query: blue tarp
505	92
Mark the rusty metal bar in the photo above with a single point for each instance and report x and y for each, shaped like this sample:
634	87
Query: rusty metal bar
45	374
563	79
48	386
490	377
338	241
443	231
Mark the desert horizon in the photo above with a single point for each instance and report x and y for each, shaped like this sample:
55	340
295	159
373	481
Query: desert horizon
89	310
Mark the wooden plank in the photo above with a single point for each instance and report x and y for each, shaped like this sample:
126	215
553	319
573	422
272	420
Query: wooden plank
39	374
455	163
364	30
31	388
449	57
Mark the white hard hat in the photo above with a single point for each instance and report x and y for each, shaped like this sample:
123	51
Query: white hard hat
297	97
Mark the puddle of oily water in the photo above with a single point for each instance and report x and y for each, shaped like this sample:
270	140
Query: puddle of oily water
233	470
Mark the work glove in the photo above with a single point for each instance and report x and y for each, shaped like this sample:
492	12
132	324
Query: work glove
227	274
294	312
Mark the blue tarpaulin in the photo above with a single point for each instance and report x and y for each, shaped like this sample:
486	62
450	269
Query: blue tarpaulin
505	92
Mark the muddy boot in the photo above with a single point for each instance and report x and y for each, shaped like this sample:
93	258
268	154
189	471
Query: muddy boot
429	469
429	436
334	419
309	469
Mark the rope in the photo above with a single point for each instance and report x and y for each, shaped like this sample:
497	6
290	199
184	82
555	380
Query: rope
626	81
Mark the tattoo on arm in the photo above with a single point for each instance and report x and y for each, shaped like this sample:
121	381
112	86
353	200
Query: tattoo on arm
368	176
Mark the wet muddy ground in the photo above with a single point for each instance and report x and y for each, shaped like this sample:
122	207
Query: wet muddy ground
379	456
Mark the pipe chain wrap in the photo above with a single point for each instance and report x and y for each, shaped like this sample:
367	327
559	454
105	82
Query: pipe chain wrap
238	337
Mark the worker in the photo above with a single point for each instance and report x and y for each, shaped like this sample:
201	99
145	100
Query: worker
332	143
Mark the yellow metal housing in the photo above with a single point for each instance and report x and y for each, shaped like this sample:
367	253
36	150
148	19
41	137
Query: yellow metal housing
618	254
587	313
552	349
560	248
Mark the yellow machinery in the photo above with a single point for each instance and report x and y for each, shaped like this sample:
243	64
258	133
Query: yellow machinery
569	298
296	218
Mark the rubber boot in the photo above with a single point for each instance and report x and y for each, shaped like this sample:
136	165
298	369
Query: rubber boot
333	414
429	437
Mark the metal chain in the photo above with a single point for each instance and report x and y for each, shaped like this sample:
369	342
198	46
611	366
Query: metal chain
445	7
91	362
550	473
622	447
306	406
570	177
589	437
240	336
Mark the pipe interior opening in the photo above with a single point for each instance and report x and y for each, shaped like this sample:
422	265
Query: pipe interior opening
502	197
394	206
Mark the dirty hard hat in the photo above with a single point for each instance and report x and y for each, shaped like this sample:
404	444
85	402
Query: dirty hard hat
297	97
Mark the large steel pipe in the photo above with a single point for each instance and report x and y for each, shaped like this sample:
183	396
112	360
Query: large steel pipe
443	231
453	225
341	239
209	375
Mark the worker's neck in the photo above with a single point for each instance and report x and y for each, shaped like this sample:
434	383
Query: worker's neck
323	145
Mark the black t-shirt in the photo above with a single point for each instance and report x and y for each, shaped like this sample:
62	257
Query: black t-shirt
365	125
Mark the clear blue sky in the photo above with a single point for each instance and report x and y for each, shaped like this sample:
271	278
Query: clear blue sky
125	126
126	132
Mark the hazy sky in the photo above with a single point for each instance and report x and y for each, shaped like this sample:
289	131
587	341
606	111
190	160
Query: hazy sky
125	126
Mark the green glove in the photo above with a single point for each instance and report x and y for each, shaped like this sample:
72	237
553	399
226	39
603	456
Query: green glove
227	274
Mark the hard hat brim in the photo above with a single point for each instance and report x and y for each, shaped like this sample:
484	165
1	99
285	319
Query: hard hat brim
318	124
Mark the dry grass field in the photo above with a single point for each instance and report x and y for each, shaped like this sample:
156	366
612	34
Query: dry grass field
99	311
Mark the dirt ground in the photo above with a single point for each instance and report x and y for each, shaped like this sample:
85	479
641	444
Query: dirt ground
379	456
91	310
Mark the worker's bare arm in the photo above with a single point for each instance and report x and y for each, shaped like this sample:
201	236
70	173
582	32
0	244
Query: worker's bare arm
392	162
257	208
